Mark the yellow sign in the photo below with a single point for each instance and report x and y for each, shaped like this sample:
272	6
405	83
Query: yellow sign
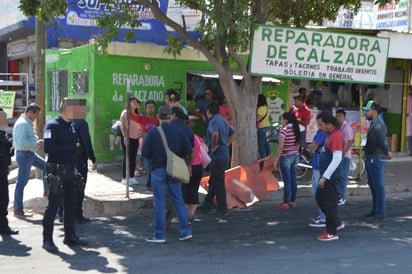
7	102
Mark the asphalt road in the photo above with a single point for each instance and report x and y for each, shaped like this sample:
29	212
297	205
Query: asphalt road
259	239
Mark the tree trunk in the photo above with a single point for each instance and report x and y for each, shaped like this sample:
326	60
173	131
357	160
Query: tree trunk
40	77
242	101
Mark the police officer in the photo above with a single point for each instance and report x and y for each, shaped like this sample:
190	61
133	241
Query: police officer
84	152
60	138
5	160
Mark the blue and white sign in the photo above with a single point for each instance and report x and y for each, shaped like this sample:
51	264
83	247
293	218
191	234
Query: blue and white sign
80	21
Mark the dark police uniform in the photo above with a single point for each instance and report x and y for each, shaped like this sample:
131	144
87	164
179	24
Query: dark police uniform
60	139
84	152
5	160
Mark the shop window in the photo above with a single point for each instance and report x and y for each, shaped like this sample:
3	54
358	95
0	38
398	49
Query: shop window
58	88
80	84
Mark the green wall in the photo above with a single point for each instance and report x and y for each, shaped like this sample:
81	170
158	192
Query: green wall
150	78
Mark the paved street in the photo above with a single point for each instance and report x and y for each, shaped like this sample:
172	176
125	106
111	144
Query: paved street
259	239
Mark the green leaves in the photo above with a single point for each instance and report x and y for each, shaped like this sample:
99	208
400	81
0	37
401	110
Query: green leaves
174	47
299	13
384	2
44	10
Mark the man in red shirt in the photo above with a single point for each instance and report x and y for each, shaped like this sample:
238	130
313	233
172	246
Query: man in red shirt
302	113
331	171
148	122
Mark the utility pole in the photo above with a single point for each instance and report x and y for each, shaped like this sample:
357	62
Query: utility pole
40	77
409	16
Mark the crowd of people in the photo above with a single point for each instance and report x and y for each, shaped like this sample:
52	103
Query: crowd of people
68	146
331	146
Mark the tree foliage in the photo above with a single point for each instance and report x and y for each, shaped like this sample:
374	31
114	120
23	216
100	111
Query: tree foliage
45	10
298	13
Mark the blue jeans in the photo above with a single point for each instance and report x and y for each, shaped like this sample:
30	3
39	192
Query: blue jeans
375	168
315	183
288	166
147	164
25	160
342	186
263	145
161	185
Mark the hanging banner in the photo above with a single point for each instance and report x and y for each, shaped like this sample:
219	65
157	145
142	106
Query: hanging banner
7	102
318	55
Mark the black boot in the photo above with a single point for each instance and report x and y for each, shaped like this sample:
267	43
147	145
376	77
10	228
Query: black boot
9	231
74	240
50	246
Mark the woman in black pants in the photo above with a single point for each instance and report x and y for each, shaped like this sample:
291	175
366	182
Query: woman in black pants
135	132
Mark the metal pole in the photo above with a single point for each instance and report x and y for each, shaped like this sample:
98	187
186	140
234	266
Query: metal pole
410	15
127	139
360	128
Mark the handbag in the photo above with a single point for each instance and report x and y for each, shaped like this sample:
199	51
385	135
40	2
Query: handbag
176	166
204	156
117	128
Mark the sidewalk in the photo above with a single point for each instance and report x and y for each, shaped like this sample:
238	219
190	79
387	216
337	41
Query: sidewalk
106	196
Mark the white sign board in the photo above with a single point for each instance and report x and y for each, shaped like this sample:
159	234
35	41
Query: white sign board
318	55
393	16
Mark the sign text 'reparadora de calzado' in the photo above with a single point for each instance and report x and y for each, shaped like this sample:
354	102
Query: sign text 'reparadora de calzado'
320	55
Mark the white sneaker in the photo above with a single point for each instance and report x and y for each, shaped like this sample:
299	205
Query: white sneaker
317	222
133	181
341	201
123	181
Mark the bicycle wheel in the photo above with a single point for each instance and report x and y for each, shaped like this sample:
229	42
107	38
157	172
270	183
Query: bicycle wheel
356	167
303	167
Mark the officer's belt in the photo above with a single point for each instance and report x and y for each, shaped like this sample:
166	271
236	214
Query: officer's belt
59	166
26	151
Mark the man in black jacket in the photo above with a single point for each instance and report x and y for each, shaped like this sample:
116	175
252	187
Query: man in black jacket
376	156
5	160
85	152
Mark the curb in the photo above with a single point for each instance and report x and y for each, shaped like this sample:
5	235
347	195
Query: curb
105	196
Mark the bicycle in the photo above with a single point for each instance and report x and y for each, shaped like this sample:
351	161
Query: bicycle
357	166
305	155
304	163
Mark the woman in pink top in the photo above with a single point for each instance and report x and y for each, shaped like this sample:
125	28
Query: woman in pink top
135	132
191	190
287	156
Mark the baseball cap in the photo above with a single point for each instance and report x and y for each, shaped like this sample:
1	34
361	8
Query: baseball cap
372	105
164	112
174	96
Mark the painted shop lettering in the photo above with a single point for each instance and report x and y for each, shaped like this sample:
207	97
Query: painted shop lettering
325	40
120	79
338	57
276	63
